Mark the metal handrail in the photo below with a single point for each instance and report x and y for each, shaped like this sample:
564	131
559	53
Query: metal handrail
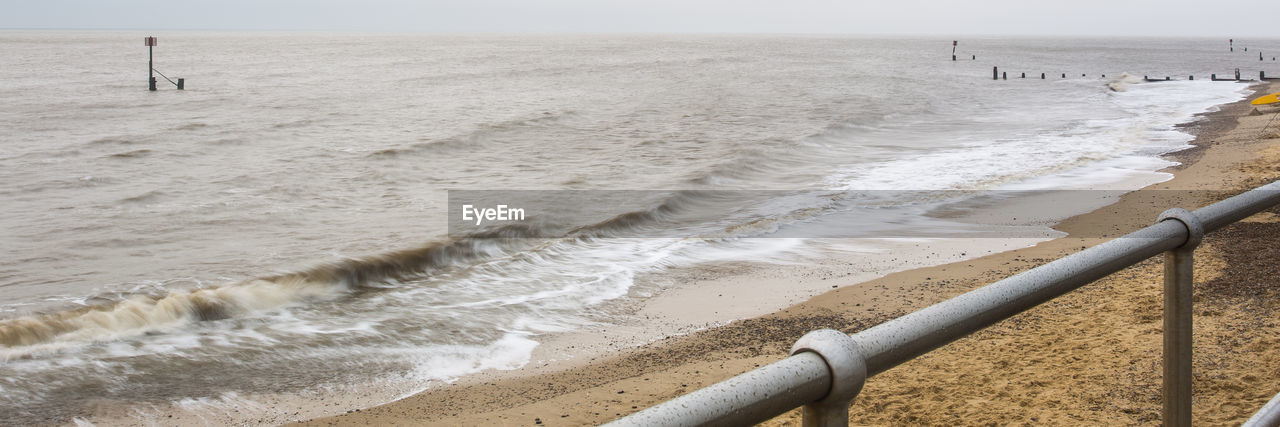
823	367
1268	416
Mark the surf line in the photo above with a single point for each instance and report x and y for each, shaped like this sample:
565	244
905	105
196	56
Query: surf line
496	213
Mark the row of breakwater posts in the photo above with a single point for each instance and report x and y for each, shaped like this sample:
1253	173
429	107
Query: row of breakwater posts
996	74
827	368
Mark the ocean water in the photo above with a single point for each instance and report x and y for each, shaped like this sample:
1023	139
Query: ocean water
283	225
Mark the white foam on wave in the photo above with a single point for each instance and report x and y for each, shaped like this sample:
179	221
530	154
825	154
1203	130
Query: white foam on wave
448	362
141	314
1151	130
1080	154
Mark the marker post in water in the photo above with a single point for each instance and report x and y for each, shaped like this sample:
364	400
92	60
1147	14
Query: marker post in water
151	67
953	49
150	42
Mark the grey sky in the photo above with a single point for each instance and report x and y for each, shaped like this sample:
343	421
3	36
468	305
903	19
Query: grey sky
1238	18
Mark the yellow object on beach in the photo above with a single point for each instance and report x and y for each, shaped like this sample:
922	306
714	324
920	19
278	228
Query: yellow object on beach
1269	99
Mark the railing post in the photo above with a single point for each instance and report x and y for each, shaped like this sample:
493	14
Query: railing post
848	374
1178	274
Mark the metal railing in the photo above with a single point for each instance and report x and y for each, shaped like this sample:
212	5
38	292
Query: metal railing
827	368
1268	416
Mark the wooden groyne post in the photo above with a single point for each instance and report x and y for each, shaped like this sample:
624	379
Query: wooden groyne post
997	74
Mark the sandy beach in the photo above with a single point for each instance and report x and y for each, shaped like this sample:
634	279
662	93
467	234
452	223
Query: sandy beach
1092	356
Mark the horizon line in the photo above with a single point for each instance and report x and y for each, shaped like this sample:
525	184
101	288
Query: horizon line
585	32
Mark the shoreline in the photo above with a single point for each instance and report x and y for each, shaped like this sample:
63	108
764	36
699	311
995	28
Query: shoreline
592	391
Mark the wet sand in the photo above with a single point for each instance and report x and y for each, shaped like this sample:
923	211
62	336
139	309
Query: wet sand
1092	356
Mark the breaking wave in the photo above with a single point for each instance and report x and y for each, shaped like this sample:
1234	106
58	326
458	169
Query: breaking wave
1121	84
142	313
138	314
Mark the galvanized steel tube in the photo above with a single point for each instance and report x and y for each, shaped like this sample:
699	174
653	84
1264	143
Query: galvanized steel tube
1241	206
1179	271
1268	416
1176	382
755	396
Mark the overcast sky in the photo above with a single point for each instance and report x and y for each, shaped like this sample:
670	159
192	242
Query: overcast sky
1235	18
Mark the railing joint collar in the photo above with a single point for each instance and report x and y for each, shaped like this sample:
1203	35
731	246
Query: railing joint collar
1195	228
848	371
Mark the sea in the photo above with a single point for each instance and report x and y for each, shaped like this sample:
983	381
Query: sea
291	223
